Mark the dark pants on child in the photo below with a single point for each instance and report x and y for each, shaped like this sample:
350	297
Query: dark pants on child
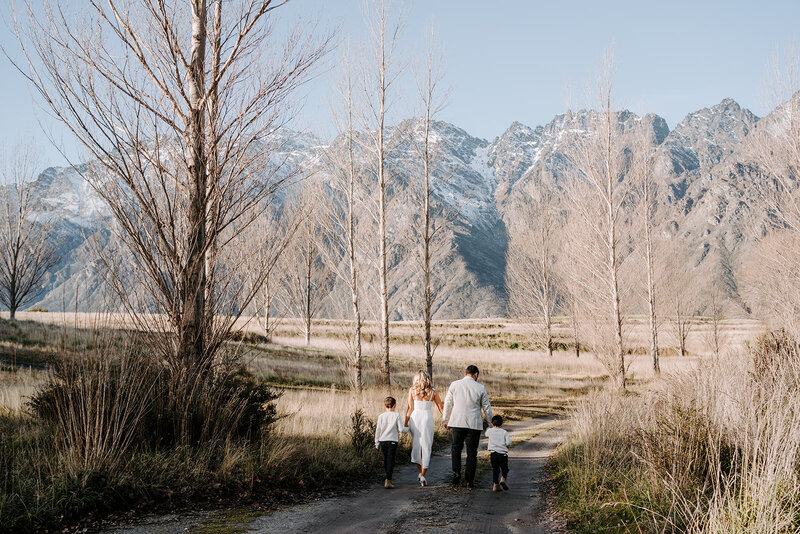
499	465
469	437
389	450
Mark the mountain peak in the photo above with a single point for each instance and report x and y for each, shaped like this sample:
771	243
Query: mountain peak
727	103
517	129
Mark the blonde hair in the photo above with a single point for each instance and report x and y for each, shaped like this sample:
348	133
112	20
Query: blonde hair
422	384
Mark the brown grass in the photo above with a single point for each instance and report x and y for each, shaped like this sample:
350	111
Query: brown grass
711	449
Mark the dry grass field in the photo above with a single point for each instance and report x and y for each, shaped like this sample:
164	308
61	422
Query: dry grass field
316	398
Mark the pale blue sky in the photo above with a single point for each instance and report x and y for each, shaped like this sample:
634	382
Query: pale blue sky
513	60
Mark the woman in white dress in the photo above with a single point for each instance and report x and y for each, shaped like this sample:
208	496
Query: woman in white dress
419	420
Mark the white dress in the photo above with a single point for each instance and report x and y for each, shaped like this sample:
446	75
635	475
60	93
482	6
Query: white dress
421	427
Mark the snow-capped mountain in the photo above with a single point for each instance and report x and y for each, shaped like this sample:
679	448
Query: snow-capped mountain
702	193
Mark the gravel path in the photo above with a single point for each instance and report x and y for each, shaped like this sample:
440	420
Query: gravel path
438	508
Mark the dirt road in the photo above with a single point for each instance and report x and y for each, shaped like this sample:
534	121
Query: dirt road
438	508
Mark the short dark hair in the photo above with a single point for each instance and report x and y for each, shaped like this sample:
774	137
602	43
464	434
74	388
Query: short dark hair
497	420
389	402
472	370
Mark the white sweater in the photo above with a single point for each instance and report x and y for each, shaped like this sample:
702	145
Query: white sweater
388	428
499	440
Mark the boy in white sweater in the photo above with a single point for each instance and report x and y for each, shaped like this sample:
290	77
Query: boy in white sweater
387	434
499	442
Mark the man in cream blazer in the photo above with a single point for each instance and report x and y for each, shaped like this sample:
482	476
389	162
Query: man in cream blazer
462	415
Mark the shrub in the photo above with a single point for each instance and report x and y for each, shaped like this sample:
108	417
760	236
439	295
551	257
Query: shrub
252	338
774	351
213	409
362	431
97	406
97	399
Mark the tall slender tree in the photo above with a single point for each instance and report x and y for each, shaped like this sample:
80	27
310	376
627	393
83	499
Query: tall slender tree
308	277
380	74
642	171
530	260
342	228
432	98
599	196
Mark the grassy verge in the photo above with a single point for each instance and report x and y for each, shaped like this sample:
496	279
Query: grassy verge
715	449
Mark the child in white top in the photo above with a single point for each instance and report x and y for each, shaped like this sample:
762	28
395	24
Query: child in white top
499	442
387	434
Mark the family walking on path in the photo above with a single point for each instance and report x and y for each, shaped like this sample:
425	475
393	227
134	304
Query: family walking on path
463	411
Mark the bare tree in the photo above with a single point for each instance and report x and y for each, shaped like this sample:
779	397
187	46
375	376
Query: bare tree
432	98
574	319
771	280
184	152
266	305
27	251
308	277
682	297
270	235
770	271
642	171
380	75
530	260
599	196
716	337
341	222
569	275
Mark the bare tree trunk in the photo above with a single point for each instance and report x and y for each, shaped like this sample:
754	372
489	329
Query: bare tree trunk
716	320
341	224
575	329
651	284
426	238
357	356
680	326
191	332
613	262
383	271
308	278
617	314
267	308
351	247
309	265
212	186
547	308
11	288
548	328
383	52
717	337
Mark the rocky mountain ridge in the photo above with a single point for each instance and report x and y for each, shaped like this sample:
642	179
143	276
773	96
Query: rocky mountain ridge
703	196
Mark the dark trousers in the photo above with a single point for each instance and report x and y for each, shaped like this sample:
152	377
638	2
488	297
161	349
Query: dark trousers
389	450
469	437
499	465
